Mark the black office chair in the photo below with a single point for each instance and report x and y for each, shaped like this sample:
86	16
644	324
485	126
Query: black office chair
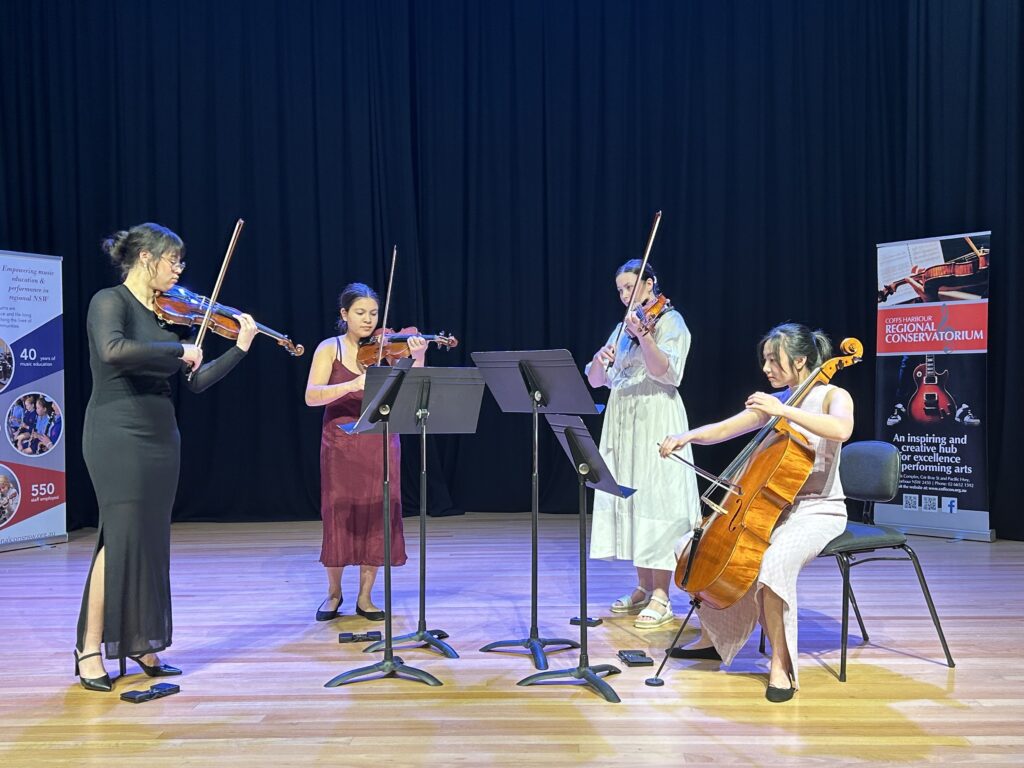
870	472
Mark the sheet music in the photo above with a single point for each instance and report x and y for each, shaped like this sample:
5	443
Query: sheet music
896	261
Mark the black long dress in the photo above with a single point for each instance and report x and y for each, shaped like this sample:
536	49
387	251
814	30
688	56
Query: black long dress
132	450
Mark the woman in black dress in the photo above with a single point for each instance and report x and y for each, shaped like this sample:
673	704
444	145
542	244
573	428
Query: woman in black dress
132	450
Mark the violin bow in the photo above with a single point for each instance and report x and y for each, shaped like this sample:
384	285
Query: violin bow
387	305
973	247
639	279
216	288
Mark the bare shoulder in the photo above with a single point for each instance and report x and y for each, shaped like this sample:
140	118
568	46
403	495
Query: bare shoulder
327	348
837	396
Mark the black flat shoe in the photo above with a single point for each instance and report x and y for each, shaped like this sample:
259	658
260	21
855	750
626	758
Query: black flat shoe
161	670
92	683
322	615
371	615
708	654
779	695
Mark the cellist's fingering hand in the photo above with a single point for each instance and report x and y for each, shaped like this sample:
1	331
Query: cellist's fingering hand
246	331
673	443
764	403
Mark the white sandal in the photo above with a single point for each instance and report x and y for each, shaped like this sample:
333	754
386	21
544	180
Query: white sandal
625	603
655	618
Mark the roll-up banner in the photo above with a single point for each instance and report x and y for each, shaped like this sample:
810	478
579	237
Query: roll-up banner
33	507
930	382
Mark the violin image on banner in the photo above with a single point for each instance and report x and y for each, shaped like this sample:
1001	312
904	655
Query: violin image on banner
396	344
180	306
760	484
965	271
931	402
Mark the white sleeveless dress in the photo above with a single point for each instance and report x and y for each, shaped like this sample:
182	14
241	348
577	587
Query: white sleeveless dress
817	516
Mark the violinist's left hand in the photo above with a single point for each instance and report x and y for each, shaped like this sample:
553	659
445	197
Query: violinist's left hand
418	349
246	331
633	326
764	403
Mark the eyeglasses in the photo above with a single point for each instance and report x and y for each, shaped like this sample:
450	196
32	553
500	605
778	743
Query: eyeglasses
176	264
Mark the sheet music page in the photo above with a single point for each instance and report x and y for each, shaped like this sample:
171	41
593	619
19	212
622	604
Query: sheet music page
896	261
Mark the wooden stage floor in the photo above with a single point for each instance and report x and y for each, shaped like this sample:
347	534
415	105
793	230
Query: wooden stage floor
255	663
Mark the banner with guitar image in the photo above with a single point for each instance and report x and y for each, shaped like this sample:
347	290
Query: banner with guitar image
32	487
932	345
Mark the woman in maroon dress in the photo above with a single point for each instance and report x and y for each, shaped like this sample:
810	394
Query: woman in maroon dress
350	477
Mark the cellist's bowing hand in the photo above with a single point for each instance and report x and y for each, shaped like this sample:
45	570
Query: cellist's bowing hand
418	349
766	404
673	443
246	331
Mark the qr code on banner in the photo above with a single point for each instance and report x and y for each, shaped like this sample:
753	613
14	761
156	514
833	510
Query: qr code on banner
928	503
910	501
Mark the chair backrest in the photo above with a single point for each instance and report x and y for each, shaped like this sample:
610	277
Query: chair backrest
870	470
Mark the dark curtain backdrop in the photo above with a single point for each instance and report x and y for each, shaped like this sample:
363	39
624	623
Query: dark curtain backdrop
516	151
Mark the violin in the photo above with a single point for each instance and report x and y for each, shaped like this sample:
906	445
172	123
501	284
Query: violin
963	271
396	345
180	306
649	312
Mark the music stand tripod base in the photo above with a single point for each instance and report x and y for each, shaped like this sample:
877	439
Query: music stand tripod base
393	667
425	638
535	645
588	674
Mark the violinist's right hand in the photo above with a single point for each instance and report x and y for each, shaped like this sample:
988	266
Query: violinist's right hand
605	355
358	384
192	356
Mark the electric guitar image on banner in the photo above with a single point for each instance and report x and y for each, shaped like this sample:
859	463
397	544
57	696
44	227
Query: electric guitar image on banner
931	402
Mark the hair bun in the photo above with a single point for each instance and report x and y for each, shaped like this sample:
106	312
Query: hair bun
113	246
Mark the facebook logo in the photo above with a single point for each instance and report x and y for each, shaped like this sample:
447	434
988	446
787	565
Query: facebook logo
949	504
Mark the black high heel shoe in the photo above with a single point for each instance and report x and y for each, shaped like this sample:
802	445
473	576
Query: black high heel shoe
92	683
161	670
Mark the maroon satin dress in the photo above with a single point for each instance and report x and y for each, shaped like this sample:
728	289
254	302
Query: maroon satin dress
350	486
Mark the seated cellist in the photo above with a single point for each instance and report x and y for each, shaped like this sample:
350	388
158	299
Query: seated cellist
789	354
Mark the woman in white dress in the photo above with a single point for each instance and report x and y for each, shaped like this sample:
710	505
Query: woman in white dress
789	354
643	371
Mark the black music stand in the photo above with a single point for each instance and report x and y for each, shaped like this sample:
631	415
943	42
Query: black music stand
450	399
375	418
590	470
541	381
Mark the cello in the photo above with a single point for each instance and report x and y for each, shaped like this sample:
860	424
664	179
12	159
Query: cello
761	483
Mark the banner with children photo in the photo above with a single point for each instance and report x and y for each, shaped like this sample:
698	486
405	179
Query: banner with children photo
32	487
931	382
